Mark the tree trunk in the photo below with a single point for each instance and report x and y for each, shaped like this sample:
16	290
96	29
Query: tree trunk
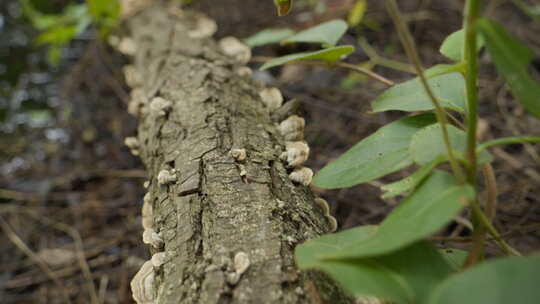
214	214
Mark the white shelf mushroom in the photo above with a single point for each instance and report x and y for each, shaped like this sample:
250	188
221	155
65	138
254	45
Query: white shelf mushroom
292	128
297	152
272	98
142	285
232	47
160	106
302	175
204	28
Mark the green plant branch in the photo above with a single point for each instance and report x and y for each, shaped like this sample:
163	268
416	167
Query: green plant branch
486	223
410	49
385	62
364	71
507	141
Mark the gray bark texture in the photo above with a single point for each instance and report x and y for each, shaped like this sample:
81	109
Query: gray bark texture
211	212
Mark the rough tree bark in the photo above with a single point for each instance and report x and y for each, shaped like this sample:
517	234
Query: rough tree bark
209	211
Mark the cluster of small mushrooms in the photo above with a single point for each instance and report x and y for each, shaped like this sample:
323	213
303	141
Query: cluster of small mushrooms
292	129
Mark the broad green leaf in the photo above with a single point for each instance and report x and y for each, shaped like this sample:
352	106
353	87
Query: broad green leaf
500	281
428	144
512	59
327	34
432	206
357	13
410	182
405	276
381	153
328	55
268	36
411	96
452	46
455	257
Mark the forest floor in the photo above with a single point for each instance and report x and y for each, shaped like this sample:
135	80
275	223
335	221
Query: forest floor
70	189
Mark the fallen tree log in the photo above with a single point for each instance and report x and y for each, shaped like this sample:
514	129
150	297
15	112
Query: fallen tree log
223	211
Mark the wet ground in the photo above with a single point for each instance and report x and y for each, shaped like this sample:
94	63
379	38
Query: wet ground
70	193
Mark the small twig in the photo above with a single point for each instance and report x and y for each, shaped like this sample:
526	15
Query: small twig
491	187
16	240
83	264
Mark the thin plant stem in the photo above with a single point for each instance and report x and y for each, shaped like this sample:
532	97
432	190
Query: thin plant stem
385	62
365	72
410	49
472	8
349	66
476	253
507	141
486	223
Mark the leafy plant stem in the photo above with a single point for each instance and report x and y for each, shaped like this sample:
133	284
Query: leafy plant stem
506	141
472	8
410	49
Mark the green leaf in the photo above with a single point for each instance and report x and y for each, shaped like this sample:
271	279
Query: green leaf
428	144
328	55
57	35
405	276
410	182
268	36
357	13
501	281
441	69
452	46
411	96
432	206
106	13
512	59
381	153
455	257
327	34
